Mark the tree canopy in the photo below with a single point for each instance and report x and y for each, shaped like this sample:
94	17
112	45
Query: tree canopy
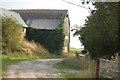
100	33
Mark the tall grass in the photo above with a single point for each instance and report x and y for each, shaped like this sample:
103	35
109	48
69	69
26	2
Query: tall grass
81	74
32	47
85	67
74	63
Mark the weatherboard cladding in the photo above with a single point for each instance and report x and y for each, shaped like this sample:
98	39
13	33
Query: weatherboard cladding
13	15
42	19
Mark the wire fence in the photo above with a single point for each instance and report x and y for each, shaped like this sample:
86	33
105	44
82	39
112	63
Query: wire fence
108	69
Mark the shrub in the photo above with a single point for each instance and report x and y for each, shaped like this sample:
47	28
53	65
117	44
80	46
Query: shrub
11	35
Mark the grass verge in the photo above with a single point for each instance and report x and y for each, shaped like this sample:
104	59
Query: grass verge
85	67
74	63
81	74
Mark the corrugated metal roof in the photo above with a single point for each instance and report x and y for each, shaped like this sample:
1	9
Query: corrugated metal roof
41	13
43	23
42	18
14	15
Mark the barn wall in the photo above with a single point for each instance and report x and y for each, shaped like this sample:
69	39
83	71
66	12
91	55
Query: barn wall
67	34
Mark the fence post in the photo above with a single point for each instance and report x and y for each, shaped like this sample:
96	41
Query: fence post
97	68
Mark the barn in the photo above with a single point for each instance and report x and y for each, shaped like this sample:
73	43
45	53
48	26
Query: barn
48	19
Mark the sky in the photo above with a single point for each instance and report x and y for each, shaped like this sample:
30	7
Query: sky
77	14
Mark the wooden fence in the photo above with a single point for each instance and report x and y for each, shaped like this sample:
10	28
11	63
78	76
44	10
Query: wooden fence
108	69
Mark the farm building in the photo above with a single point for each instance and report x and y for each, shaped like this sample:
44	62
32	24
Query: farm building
48	20
16	16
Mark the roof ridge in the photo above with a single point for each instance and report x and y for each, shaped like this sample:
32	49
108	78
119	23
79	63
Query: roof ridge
43	9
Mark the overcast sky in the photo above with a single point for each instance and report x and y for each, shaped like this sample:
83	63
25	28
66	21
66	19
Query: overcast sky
77	14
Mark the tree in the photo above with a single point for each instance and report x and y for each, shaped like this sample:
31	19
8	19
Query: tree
11	34
100	35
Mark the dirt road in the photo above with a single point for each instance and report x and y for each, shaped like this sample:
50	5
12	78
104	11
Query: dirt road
34	69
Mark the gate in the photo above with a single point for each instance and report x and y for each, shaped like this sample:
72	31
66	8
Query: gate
108	69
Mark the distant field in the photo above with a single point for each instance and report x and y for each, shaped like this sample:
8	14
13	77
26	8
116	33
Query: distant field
76	49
